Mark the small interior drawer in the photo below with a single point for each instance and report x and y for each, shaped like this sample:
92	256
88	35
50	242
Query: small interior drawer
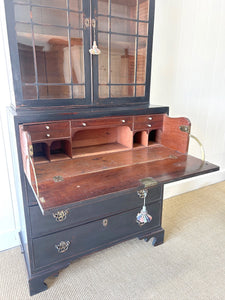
148	125
92	236
89	210
114	121
50	134
45	127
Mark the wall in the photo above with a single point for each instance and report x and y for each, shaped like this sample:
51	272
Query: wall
188	75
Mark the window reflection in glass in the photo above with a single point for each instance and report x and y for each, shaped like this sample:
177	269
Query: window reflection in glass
52	64
144	10
122	59
22	13
52	3
123	26
103	63
103	7
25	48
77	56
124	8
49	16
141	60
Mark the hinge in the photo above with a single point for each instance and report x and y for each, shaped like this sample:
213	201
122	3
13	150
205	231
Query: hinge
148	182
185	128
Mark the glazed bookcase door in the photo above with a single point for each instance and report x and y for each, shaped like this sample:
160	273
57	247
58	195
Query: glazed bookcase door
124	36
51	40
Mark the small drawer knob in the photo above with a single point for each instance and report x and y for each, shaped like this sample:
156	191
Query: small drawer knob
149	125
150	118
105	222
84	124
48	135
123	121
47	127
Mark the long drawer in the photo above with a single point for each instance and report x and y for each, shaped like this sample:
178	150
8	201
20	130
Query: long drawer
89	210
92	236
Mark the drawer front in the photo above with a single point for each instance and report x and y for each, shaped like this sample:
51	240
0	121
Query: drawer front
45	127
148	118
88	210
148	125
91	236
118	121
49	134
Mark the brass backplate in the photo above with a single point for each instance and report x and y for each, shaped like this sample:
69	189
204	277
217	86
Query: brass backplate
148	182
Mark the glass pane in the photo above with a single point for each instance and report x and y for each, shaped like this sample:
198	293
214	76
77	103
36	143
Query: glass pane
124	8
122	59
22	1
22	13
50	16
51	46
103	91
144	9
76	20
77	56
75	5
25	48
103	64
78	91
55	92
123	26
53	3
29	92
103	7
141	60
143	28
140	90
122	91
103	23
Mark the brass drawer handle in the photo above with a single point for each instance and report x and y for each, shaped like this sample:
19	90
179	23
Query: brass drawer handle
47	127
123	121
105	222
150	118
61	215
84	124
149	125
48	135
62	246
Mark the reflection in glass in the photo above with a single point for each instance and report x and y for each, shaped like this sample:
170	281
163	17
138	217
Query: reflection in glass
103	7
52	58
53	3
140	90
124	9
54	91
25	48
123	26
22	1
78	91
143	28
49	16
141	60
103	23
103	91
29	92
75	5
144	10
22	13
122	91
103	64
77	56
122	59
76	20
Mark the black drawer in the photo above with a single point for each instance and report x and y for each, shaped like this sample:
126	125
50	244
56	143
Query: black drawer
90	210
92	236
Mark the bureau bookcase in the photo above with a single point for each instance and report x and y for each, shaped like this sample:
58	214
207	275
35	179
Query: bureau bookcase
92	151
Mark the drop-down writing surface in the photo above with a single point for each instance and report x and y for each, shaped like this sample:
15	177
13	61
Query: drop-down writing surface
82	186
